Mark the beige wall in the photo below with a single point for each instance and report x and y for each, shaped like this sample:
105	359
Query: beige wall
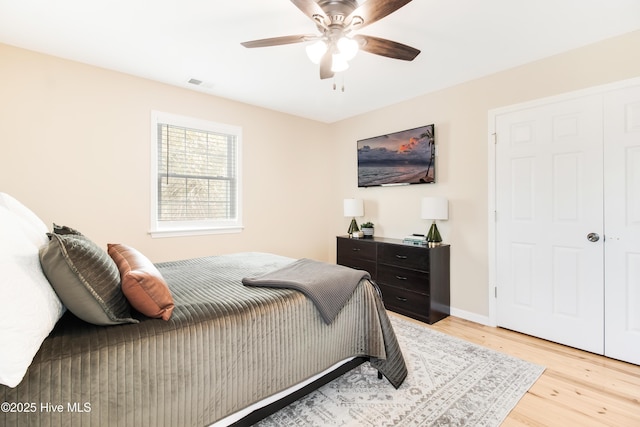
460	115
75	143
75	147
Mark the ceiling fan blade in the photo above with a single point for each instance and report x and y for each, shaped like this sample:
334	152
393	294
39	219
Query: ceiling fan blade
312	10
325	65
374	10
276	41
386	47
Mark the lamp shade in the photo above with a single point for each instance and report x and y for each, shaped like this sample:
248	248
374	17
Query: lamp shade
339	63
435	208
348	47
353	207
316	50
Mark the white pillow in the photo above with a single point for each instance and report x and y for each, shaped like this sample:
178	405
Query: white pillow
32	225
31	308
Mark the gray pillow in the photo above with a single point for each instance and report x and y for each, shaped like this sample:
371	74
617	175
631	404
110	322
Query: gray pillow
86	279
63	229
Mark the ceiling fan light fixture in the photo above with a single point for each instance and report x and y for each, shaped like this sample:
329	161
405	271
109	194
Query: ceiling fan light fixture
338	63
348	47
316	51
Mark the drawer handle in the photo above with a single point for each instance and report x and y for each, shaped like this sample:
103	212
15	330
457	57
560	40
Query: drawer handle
401	256
401	299
355	249
401	278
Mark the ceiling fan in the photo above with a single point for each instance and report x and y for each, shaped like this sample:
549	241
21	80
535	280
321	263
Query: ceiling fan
336	20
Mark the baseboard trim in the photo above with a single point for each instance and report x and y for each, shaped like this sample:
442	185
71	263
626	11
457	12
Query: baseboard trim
472	317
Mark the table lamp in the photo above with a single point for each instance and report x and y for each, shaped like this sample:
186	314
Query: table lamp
434	208
353	208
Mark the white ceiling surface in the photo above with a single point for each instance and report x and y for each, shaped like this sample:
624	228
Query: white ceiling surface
172	41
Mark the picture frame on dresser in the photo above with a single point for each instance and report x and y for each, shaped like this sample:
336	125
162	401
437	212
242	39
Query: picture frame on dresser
414	280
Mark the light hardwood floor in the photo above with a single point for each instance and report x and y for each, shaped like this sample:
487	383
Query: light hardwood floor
577	388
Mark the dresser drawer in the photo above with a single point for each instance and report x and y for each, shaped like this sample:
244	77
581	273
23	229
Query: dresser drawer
413	280
356	248
359	264
404	256
404	301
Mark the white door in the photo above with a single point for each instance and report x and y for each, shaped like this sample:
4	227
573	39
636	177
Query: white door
622	224
549	198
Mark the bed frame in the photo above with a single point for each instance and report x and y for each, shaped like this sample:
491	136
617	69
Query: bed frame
272	408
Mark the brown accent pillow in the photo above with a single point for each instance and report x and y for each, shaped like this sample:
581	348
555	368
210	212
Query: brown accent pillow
142	283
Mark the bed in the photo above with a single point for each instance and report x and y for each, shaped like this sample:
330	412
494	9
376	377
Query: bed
224	352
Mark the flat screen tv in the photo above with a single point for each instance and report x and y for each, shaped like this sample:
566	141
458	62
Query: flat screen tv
405	157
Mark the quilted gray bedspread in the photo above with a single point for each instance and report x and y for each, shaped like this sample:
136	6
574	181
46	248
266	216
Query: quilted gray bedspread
225	347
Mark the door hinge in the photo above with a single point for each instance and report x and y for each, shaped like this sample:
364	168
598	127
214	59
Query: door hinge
495	138
495	291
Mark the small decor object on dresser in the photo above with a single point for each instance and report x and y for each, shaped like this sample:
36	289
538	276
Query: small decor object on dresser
367	229
414	280
415	240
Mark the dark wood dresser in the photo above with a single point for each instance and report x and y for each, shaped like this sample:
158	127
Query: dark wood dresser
414	280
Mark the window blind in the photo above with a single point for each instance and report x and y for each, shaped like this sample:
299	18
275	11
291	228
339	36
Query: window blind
197	174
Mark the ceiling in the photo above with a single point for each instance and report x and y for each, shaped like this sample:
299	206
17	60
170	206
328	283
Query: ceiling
173	41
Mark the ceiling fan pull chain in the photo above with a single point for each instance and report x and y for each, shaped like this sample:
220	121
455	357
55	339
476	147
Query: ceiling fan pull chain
335	85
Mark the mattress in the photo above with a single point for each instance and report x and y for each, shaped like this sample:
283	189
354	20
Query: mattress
225	347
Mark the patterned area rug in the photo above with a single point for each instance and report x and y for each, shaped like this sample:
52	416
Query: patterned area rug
451	382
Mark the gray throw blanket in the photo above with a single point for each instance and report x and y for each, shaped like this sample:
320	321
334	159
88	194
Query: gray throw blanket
329	286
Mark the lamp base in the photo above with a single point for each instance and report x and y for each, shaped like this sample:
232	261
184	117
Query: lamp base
433	237
353	227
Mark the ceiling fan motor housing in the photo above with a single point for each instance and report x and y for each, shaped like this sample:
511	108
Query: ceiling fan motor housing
338	8
338	11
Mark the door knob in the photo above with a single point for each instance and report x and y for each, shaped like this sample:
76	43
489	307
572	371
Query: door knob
593	237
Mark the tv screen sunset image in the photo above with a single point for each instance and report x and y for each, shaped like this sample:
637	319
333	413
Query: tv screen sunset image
406	157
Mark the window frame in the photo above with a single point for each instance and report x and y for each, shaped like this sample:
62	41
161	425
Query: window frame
201	227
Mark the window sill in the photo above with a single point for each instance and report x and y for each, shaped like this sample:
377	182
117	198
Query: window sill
184	232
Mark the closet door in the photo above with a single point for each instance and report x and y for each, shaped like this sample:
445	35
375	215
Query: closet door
622	224
549	222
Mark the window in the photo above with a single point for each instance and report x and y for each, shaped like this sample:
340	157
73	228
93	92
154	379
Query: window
195	176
